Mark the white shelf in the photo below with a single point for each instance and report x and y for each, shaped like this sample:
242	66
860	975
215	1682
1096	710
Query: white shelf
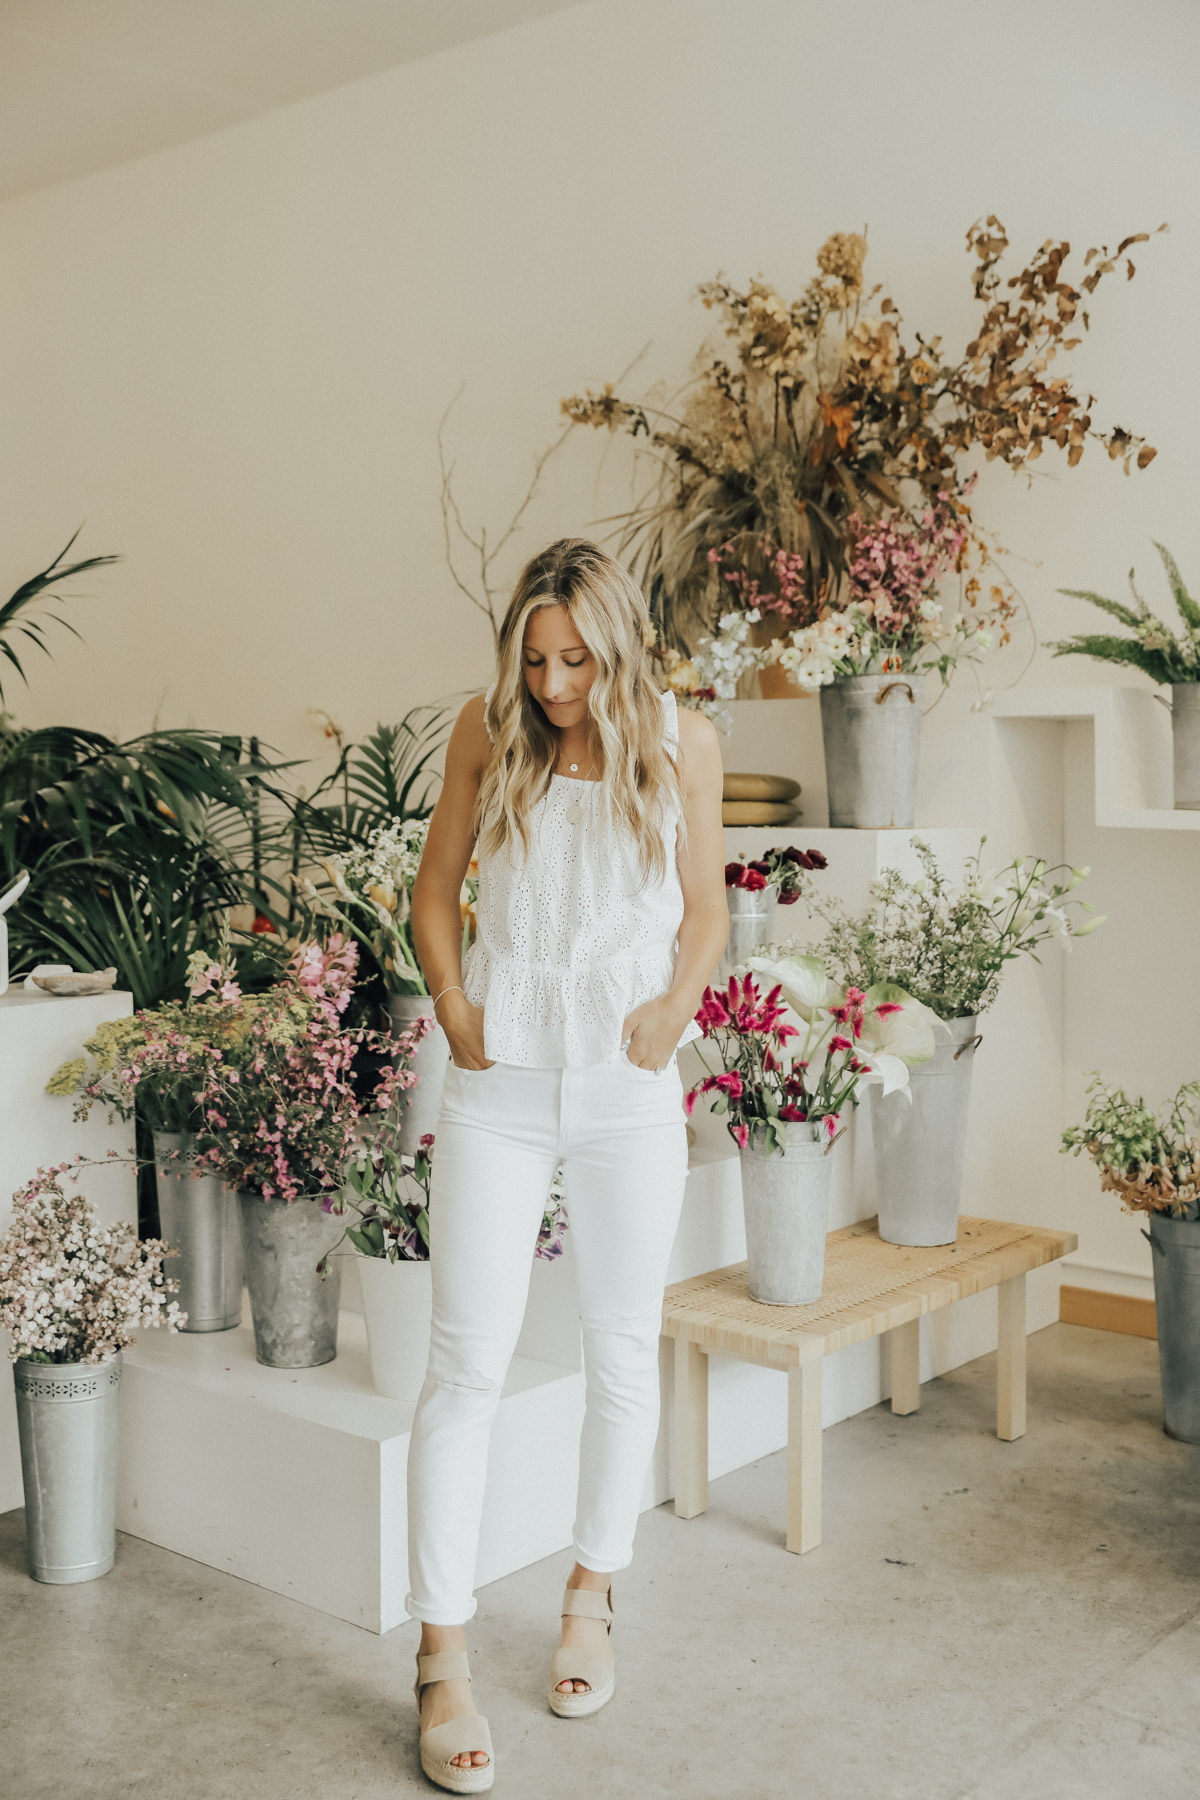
1132	734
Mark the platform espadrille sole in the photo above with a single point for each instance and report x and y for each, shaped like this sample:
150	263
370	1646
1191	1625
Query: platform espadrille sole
578	1706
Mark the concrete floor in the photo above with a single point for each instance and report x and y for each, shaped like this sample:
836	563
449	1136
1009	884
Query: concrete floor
983	1621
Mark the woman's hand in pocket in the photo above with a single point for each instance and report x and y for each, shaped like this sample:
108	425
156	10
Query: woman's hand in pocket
652	1031
463	1026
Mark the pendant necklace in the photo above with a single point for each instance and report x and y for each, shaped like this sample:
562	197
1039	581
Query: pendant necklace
576	809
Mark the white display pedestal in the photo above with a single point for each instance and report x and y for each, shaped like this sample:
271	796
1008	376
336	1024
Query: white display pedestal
38	1032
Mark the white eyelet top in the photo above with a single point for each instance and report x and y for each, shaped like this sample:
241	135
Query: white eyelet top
570	938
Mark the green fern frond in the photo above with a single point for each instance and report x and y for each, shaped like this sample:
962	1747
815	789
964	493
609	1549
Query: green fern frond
1126	614
1189	611
1118	650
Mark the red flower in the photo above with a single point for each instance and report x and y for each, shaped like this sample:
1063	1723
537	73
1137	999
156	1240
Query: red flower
888	1007
262	925
754	880
733	874
839	1043
788	896
794	1115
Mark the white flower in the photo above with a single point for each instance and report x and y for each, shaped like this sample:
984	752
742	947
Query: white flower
890	1072
803	981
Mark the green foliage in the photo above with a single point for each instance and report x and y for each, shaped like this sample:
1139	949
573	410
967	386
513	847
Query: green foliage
389	776
1151	1159
17	618
1153	648
133	849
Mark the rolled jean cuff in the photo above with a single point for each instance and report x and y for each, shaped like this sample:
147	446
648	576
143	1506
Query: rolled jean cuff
434	1615
600	1565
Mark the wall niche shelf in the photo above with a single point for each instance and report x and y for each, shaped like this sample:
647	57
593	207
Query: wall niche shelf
1132	736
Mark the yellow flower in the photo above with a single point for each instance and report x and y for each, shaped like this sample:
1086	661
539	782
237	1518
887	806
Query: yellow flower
66	1078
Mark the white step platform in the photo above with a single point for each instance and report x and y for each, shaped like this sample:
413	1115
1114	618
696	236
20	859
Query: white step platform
296	1479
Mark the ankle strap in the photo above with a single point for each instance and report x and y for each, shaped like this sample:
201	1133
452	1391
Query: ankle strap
584	1603
443	1665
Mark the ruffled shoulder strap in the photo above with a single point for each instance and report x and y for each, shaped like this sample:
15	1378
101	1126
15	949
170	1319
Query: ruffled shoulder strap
670	718
487	701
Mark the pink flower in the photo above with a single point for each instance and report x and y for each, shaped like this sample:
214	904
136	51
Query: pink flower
839	1043
832	1121
888	1007
741	1134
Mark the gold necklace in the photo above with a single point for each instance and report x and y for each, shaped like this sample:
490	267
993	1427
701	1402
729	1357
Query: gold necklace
575	811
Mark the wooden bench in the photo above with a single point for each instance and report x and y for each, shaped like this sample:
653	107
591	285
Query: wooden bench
870	1287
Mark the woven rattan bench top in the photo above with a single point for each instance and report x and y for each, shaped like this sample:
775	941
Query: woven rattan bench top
869	1287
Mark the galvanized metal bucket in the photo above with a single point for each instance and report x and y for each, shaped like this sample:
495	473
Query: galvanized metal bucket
1176	1246
920	1148
872	730
786	1203
1185	739
432	1055
67	1420
398	1308
751	921
199	1217
295	1313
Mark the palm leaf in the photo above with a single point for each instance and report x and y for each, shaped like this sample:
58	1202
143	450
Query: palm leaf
388	776
1189	611
16	614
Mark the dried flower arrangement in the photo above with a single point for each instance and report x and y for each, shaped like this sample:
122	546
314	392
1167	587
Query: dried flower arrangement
1151	1160
947	944
820	467
1153	648
388	1192
73	1290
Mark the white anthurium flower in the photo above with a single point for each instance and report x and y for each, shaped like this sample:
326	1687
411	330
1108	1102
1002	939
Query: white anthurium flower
890	1072
803	982
907	1034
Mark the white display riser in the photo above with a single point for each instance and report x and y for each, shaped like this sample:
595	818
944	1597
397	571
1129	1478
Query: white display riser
39	1032
296	1479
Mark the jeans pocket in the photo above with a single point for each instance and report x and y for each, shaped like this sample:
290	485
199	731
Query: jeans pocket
637	1069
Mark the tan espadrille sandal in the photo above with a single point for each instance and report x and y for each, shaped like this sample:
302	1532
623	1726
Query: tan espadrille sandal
457	1737
583	1665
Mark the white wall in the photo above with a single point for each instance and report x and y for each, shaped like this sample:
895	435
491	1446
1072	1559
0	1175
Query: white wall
230	358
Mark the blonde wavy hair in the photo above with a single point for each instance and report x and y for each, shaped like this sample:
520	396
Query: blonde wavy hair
640	778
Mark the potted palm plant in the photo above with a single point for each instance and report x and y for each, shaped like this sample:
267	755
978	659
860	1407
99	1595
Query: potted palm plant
1172	661
946	945
1151	1161
72	1293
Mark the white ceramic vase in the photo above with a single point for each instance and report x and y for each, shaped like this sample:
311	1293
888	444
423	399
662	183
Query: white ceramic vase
398	1307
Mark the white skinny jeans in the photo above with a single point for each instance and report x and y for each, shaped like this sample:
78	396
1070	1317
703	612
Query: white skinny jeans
619	1131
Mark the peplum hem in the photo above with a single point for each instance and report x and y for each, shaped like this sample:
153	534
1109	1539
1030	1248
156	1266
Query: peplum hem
544	1015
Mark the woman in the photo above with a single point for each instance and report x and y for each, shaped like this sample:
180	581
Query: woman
601	916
